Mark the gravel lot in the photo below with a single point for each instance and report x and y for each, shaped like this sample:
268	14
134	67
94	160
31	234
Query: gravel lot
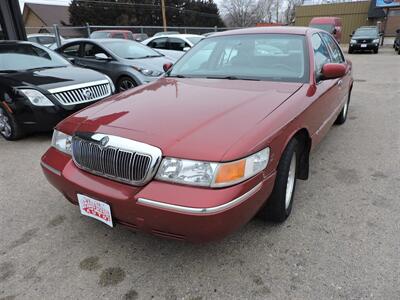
342	240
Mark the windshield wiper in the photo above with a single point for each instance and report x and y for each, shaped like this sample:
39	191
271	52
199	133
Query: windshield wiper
231	78
177	76
44	68
9	71
147	56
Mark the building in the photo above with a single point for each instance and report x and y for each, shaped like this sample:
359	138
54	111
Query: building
42	17
353	15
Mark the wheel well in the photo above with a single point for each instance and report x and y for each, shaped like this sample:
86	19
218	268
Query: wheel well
305	143
125	75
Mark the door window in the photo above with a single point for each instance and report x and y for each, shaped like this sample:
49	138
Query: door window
72	50
337	55
118	36
45	40
90	50
160	43
177	44
321	53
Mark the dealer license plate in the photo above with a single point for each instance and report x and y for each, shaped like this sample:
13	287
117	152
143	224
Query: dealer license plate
363	45
95	209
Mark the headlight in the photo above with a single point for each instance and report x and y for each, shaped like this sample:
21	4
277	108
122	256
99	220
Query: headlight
375	41
353	42
148	72
111	84
62	142
36	97
210	174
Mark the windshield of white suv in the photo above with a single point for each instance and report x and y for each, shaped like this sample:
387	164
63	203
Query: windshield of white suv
275	57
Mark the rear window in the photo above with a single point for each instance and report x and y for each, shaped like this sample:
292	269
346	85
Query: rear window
99	35
326	27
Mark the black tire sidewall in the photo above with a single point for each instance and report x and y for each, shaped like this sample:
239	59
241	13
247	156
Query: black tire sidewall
15	130
125	78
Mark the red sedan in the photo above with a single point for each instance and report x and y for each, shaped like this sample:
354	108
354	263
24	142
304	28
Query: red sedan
222	137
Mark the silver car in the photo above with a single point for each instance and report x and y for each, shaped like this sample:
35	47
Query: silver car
127	63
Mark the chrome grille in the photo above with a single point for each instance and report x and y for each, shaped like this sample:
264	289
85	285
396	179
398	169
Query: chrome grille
82	93
111	162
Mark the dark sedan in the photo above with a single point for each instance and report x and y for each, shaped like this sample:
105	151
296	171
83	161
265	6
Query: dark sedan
39	88
365	38
128	63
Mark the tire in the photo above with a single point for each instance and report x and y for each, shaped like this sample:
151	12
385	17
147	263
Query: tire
125	83
280	203
342	117
376	50
9	128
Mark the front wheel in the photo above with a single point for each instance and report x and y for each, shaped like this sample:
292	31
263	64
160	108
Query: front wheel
279	205
376	50
125	83
9	128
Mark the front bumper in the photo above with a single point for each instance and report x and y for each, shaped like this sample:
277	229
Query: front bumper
163	209
367	46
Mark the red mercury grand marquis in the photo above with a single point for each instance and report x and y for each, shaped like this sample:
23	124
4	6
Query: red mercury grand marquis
222	137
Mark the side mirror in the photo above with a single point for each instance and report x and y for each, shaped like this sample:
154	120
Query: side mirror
186	49
167	67
71	59
332	71
101	56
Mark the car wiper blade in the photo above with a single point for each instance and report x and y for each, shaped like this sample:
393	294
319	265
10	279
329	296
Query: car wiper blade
44	68
177	76
147	56
9	71
231	78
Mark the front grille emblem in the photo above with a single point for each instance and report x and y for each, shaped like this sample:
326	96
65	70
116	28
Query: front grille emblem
104	141
87	93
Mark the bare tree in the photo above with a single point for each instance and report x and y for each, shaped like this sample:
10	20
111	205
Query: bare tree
290	10
244	13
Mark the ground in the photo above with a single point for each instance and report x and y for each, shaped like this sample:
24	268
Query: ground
342	240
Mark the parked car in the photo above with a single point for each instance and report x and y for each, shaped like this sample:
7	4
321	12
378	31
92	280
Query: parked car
112	34
39	88
173	45
127	63
161	33
197	154
45	39
333	25
365	38
396	44
140	37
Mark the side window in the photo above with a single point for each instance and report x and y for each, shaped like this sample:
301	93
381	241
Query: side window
72	50
90	50
33	39
177	44
160	43
337	56
321	53
44	40
118	36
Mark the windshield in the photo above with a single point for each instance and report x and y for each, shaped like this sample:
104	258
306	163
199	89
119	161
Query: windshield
18	57
367	32
326	27
99	35
130	49
275	57
195	39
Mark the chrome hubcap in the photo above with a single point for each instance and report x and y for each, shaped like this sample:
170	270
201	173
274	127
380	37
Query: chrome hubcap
5	127
126	85
290	181
345	108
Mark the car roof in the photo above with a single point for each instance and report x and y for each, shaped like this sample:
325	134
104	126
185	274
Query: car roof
40	34
112	30
180	35
272	29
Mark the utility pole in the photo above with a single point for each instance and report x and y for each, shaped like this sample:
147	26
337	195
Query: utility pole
164	17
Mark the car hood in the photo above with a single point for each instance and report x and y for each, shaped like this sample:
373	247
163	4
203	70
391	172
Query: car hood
187	118
151	63
46	79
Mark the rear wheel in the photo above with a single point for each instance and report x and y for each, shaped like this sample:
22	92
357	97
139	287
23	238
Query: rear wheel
376	50
9	128
279	205
125	83
342	117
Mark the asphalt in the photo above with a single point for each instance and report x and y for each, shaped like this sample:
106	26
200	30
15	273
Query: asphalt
341	242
